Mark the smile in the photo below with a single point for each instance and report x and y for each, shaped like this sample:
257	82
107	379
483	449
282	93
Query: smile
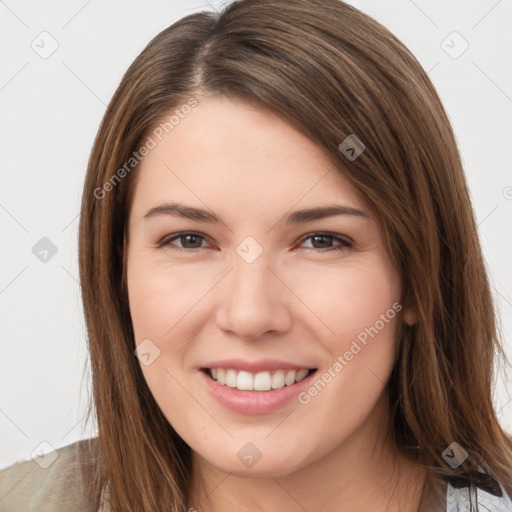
255	388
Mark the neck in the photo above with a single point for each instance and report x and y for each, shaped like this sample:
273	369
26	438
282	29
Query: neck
366	472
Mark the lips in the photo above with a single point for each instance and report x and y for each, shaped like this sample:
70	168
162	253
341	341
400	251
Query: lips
257	387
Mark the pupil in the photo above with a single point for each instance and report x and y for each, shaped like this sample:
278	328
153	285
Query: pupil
188	237
316	237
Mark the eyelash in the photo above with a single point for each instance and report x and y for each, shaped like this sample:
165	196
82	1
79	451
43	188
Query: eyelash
344	243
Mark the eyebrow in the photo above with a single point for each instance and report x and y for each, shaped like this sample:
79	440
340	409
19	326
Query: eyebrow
297	217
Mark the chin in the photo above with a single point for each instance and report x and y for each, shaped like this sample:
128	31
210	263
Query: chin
275	462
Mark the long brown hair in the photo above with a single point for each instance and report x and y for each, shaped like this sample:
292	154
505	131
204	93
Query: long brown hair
330	71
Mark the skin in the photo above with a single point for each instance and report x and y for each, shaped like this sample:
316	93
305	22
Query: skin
296	302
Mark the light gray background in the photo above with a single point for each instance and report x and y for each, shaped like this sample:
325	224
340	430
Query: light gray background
51	109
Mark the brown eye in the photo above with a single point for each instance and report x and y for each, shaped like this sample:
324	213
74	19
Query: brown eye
189	241
324	241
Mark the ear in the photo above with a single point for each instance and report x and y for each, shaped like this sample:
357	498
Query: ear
410	315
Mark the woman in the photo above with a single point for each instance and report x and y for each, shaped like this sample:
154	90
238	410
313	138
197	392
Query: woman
238	362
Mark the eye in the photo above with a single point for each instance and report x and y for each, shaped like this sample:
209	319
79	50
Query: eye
189	241
324	239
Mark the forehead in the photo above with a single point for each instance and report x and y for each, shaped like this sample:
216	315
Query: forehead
233	155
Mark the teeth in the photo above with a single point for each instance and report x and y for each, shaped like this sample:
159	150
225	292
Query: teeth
221	376
244	381
231	379
278	379
301	374
290	377
262	381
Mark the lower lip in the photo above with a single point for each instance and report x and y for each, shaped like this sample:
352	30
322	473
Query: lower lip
254	402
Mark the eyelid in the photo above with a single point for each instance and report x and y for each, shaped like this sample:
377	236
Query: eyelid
327	233
165	241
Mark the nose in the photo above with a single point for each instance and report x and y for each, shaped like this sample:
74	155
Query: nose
254	301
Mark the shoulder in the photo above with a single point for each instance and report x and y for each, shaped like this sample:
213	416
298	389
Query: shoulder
50	483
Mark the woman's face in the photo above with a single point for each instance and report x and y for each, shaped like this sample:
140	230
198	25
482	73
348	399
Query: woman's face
256	295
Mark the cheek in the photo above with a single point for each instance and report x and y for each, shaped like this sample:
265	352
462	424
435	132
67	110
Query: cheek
357	313
350	303
161	297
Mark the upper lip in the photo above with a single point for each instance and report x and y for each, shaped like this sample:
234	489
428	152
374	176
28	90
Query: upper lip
256	366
